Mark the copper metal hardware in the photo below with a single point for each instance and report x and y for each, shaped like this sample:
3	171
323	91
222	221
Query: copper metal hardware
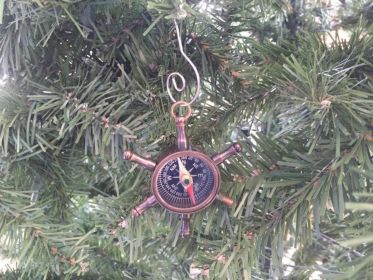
225	199
181	121
146	163
184	152
231	151
185	225
139	209
199	206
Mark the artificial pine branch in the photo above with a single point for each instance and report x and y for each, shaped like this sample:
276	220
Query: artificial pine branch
85	83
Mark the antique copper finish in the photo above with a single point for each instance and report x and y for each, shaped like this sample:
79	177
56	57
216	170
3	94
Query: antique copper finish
198	207
231	151
181	103
146	163
183	150
185	225
139	209
182	139
225	199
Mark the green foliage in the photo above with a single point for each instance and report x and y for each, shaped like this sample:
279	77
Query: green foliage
86	80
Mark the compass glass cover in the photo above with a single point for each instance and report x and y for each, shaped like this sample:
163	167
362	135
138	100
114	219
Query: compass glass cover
171	189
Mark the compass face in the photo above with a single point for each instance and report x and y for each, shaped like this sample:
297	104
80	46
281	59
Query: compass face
171	191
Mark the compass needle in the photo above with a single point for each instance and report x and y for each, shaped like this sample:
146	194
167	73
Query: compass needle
186	180
182	169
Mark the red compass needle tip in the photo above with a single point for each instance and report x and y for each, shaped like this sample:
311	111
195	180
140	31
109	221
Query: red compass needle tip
190	192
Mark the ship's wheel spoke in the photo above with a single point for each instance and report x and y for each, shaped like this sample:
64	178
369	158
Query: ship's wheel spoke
225	199
231	151
185	224
141	208
146	163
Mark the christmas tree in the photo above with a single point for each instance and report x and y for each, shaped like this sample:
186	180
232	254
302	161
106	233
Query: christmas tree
83	81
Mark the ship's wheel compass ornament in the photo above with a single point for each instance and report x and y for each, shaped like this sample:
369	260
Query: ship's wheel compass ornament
185	181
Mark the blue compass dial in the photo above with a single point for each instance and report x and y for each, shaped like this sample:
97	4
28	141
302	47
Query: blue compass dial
172	190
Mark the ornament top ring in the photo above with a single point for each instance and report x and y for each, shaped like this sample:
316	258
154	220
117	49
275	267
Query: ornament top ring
181	103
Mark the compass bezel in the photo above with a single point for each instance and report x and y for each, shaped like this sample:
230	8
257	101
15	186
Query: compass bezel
182	210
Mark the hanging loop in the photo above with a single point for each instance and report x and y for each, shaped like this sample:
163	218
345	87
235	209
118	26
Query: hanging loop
181	103
174	76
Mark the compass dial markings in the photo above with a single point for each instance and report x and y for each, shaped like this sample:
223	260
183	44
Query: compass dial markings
174	193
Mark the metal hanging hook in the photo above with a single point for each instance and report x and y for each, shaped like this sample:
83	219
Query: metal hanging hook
174	75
